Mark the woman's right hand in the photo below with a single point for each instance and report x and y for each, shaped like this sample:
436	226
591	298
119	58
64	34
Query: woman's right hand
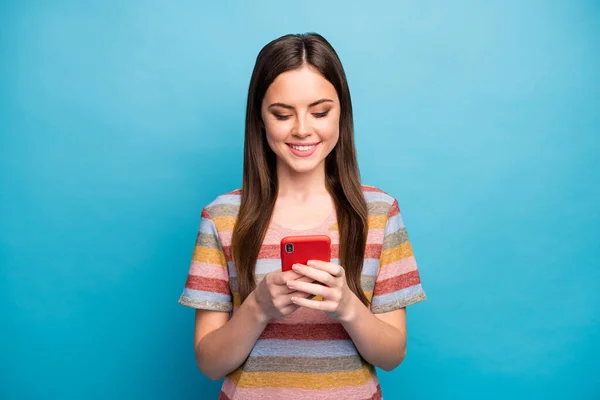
274	298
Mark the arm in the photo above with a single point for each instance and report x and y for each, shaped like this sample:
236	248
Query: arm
379	333
379	338
222	344
218	345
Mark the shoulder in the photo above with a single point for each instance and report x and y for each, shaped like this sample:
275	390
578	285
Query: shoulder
224	205
375	195
380	203
383	208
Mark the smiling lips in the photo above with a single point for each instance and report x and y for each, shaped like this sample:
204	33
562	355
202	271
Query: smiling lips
303	149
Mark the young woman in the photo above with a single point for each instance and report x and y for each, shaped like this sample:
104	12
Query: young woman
300	177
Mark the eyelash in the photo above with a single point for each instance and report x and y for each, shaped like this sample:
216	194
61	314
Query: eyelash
285	117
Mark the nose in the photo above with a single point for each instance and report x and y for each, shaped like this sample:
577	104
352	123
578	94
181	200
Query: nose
301	128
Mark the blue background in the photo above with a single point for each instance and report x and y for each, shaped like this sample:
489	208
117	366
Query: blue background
120	120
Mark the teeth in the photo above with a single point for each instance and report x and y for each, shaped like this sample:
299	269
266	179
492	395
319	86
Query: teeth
303	148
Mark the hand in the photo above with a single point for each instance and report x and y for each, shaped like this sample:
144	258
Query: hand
274	298
337	297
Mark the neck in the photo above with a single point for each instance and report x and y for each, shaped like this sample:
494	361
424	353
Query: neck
301	185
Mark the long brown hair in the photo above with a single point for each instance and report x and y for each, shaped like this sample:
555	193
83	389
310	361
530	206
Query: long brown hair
260	187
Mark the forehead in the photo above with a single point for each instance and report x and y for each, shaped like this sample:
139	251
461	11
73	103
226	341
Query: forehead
300	87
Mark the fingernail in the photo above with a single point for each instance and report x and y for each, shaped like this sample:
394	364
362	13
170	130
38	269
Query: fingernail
295	267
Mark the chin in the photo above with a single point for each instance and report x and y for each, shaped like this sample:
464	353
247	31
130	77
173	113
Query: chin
303	167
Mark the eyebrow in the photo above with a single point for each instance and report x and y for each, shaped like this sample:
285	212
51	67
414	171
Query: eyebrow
310	105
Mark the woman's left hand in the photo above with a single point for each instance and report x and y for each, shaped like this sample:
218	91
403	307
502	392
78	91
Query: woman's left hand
338	300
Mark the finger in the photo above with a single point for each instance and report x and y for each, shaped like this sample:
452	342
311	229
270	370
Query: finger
316	274
297	293
303	279
281	278
276	285
311	288
291	275
332	269
326	306
286	289
287	297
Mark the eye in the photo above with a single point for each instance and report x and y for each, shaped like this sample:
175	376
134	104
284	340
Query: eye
321	115
281	117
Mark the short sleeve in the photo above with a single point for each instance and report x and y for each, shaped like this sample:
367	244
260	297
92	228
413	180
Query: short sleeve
207	284
398	283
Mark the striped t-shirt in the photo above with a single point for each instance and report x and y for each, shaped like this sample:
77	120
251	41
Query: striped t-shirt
304	355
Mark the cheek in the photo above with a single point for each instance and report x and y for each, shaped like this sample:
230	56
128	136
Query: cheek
331	131
276	135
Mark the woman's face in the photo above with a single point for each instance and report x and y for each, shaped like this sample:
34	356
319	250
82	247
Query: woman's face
301	116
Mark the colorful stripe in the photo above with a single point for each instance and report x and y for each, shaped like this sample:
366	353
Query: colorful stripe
305	354
303	348
302	380
230	390
310	331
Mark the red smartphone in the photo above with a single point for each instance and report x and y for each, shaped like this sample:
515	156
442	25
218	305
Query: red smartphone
300	249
